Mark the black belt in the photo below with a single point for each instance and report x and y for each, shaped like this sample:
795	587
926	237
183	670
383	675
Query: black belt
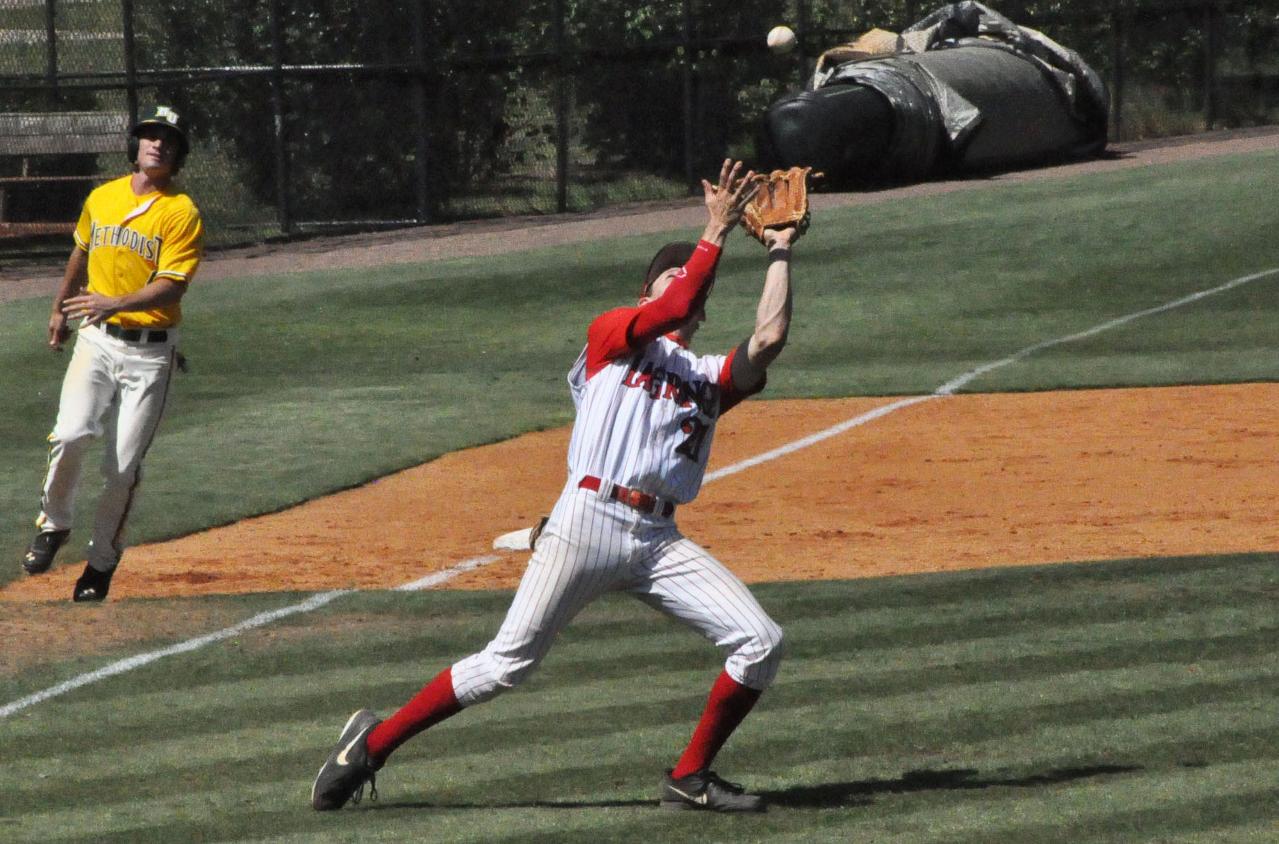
641	501
136	335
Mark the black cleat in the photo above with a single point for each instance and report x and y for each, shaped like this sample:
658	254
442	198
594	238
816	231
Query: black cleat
348	767
43	549
705	791
93	585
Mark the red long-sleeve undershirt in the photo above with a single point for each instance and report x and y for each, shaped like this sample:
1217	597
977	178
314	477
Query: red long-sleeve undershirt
615	333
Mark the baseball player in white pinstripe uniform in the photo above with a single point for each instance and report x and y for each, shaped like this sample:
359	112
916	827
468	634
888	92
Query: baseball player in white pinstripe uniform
646	413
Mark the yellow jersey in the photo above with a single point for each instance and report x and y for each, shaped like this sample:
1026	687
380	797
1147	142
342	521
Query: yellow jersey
133	239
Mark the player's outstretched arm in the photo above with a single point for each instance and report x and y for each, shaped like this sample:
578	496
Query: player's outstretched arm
772	315
727	200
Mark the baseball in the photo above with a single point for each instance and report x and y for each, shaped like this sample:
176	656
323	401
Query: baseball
781	39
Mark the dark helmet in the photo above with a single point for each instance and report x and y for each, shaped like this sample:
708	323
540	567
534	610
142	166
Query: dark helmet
670	256
170	119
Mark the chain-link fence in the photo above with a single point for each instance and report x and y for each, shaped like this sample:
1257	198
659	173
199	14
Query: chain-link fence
324	114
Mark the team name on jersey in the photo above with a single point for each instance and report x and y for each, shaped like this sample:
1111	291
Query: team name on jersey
148	248
659	383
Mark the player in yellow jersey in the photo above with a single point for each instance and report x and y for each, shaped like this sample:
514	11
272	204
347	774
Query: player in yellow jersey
137	246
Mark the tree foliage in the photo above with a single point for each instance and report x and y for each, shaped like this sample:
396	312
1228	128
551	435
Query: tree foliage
491	68
351	137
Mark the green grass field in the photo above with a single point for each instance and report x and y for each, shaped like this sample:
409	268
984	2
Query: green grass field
1131	701
1125	701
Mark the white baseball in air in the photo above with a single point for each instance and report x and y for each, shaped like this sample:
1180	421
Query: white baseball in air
781	39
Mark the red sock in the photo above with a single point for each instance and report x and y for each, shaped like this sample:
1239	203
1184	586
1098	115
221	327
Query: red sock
729	703
428	707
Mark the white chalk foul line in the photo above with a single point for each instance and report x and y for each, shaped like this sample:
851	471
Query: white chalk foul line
312	603
259	620
439	577
963	380
814	439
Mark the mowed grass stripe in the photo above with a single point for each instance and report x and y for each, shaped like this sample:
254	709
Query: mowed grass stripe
990	708
1250	574
1073	813
635	654
552	770
1134	685
1178	798
831	780
550	824
869	673
298	744
1095	581
557	781
1077	803
1195	734
1264	830
1021	648
998	822
903	665
617	623
979	704
1205	731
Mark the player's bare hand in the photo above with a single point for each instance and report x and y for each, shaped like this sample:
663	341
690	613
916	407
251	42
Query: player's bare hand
58	330
93	308
727	200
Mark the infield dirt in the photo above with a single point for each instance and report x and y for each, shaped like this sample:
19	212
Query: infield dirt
950	483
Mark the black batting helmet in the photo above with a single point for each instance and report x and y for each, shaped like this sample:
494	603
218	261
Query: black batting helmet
167	117
670	256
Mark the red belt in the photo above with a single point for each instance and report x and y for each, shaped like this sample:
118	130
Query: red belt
641	501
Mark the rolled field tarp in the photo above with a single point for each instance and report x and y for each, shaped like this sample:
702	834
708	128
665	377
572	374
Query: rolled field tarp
964	89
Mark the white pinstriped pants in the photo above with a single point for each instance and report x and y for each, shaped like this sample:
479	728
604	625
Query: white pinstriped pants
592	545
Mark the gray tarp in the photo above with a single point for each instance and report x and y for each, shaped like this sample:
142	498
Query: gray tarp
969	86
971	23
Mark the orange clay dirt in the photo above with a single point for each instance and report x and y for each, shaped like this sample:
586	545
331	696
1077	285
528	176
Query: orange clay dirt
947	483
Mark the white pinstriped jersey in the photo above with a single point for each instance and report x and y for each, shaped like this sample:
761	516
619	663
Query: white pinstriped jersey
646	419
646	414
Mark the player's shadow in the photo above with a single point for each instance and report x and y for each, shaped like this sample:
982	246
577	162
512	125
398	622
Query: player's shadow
826	795
862	792
520	804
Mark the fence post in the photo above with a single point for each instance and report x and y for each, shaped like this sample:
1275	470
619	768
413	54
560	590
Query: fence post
51	39
801	24
420	114
690	170
283	189
130	61
561	109
1117	74
1210	65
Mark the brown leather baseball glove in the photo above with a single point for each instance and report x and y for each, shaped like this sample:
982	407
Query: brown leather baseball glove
780	202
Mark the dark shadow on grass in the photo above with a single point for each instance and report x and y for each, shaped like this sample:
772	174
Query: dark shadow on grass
523	804
823	796
833	794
